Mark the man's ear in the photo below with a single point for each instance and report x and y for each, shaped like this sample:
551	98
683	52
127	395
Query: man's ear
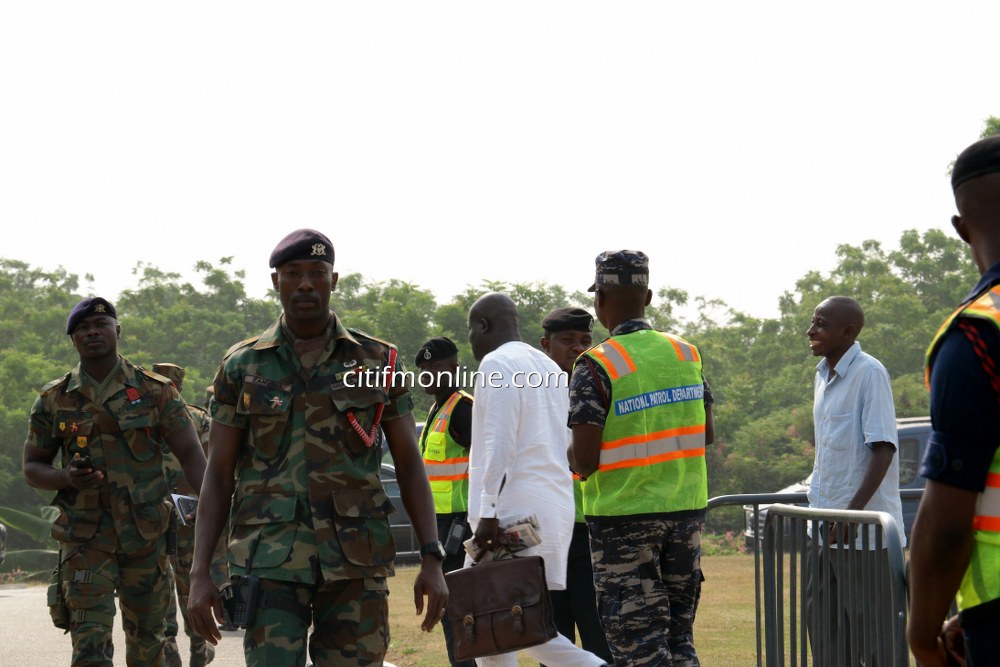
334	277
545	343
274	280
960	228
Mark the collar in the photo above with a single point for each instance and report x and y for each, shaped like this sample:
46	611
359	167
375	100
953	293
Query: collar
988	279
274	335
629	326
77	377
845	361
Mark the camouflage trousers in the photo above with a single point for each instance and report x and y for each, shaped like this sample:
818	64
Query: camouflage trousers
350	619
647	575
90	579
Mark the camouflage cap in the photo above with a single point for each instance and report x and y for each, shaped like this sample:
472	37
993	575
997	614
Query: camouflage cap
568	319
93	306
435	349
979	159
621	267
302	244
172	372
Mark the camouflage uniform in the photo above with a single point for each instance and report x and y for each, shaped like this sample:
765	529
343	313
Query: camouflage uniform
630	552
181	551
112	537
310	516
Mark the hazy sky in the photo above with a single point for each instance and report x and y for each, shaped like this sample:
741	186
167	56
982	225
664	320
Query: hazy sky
444	143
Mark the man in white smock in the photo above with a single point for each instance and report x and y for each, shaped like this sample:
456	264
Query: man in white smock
517	463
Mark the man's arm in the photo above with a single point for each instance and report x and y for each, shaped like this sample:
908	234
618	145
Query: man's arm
400	433
585	449
940	549
204	602
878	464
186	446
39	472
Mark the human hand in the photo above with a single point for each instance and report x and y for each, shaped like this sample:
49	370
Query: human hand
80	473
488	535
954	642
430	582
205	608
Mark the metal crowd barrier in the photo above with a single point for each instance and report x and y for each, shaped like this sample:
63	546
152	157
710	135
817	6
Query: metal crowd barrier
782	551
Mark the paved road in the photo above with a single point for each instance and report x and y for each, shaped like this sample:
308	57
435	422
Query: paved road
28	638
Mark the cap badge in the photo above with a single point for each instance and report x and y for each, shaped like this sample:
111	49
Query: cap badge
318	249
99	308
427	354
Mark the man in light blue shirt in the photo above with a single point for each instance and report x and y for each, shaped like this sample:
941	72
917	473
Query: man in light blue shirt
854	418
855	423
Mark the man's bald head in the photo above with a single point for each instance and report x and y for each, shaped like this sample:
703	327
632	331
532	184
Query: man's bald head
847	311
493	321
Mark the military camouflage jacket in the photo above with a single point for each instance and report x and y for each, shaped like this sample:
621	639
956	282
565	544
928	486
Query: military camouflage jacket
176	481
308	500
122	437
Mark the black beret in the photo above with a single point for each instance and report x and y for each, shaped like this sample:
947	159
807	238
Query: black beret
568	319
979	159
86	308
302	244
436	348
621	267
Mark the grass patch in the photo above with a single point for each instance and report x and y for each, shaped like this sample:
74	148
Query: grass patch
724	626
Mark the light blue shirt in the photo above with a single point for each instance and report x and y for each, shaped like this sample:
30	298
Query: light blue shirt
852	411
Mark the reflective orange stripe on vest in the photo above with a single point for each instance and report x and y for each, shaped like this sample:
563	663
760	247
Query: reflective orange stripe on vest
449	470
618	362
650	448
988	506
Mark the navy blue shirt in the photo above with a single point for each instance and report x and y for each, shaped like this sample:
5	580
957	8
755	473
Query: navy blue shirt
965	407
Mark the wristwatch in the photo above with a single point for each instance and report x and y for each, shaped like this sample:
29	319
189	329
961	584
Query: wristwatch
433	549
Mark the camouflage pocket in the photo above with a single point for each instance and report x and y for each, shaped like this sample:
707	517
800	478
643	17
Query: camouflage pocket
150	511
268	519
267	403
136	429
360	402
361	519
78	522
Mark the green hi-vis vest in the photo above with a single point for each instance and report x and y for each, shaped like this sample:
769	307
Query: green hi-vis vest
653	445
446	461
981	582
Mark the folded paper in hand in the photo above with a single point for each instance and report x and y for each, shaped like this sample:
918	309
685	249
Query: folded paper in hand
520	534
184	505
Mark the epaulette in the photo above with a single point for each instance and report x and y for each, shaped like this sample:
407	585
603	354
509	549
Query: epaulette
55	383
246	342
358	332
156	377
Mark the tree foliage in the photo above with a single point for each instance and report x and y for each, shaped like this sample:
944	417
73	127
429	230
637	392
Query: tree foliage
760	370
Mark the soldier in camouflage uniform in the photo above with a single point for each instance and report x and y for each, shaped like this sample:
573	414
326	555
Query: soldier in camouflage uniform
180	543
295	422
105	419
645	492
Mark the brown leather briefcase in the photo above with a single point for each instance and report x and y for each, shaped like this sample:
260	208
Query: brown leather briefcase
498	607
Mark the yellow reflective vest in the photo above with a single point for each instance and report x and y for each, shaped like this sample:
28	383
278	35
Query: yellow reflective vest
446	461
981	582
653	445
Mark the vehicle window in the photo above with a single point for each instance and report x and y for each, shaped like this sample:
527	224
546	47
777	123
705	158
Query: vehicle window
909	459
